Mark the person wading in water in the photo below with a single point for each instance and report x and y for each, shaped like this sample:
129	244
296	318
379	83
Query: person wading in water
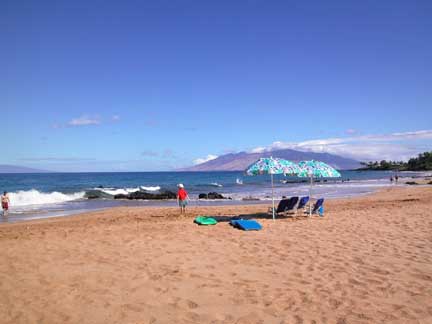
5	203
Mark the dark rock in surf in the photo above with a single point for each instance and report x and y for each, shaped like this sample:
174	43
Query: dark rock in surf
92	196
411	183
147	196
212	195
96	194
215	195
121	196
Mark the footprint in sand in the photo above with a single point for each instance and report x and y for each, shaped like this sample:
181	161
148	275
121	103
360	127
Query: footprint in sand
191	305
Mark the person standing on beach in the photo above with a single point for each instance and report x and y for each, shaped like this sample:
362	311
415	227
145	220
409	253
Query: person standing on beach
396	178
182	197
5	203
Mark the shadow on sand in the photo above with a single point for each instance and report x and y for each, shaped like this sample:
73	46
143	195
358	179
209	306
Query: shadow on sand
251	216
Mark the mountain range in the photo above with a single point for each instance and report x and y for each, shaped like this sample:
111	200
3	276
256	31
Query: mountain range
240	161
237	161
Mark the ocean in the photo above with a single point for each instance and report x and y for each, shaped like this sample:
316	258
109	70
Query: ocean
60	194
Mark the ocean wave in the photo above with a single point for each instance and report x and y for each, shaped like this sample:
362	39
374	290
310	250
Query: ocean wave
121	191
35	197
125	191
215	184
155	188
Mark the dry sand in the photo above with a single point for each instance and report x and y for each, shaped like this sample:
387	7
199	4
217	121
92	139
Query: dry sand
368	261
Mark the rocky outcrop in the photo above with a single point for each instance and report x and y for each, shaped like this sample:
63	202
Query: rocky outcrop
212	195
411	183
96	194
147	196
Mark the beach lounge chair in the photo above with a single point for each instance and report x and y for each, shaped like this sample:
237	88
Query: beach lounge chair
317	205
302	203
291	207
280	208
285	206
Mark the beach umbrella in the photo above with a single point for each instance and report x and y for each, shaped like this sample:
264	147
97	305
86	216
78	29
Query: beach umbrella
316	169
272	166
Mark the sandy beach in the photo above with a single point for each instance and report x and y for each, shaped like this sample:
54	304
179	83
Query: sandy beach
369	260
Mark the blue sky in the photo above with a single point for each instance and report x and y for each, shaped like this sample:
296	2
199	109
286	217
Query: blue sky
156	85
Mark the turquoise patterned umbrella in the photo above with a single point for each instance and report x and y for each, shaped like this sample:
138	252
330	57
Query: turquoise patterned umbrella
272	166
316	169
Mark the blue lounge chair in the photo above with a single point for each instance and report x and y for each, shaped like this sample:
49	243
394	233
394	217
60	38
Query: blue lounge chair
291	207
319	203
302	203
280	208
285	206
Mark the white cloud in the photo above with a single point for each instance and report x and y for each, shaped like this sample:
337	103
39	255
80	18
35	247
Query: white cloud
84	120
205	159
369	151
259	149
395	146
115	118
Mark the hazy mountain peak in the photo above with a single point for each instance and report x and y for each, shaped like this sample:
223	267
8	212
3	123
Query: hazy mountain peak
240	161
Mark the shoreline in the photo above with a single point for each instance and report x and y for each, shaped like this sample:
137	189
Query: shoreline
34	204
169	204
68	209
172	212
368	260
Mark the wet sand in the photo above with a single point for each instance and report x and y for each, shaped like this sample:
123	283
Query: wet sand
369	260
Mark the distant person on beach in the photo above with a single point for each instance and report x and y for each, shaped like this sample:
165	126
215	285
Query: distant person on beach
182	198
396	178
391	179
5	203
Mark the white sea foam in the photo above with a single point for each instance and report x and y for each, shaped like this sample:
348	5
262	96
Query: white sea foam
35	197
216	184
113	192
126	191
155	188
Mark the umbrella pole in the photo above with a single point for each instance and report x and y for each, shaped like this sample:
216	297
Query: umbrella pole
271	175
310	196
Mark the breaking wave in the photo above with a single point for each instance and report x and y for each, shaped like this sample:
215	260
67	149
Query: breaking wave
113	191
35	197
125	191
155	188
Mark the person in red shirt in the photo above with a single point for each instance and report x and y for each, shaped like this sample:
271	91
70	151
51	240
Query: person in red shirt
5	203
182	198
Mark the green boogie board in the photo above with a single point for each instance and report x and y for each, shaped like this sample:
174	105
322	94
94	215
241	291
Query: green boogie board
205	220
